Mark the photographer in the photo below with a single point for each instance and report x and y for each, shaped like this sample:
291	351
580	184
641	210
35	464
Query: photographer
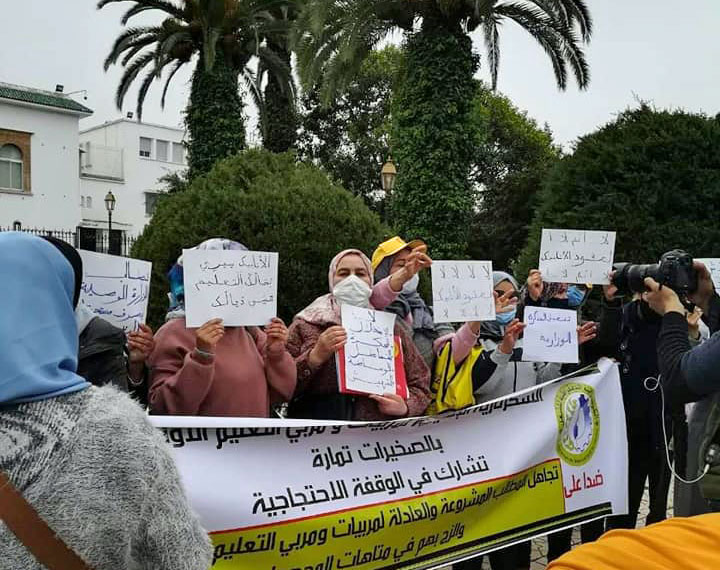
690	375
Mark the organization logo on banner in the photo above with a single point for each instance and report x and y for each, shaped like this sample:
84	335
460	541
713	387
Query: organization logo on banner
578	423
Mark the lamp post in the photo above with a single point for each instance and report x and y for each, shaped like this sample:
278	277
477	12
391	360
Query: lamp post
109	206
388	175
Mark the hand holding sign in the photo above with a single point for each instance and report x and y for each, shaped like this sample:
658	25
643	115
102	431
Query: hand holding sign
576	256
550	335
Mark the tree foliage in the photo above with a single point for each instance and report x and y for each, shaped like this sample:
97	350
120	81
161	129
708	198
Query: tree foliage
433	142
350	137
512	156
269	203
652	176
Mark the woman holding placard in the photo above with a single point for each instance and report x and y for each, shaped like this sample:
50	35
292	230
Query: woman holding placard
316	335
216	370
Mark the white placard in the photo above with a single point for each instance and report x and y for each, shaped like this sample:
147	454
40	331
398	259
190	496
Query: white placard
576	256
550	335
116	288
713	265
239	287
462	291
370	350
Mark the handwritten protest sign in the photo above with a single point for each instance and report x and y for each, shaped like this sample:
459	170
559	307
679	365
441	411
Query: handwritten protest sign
576	256
550	335
412	493
115	288
713	265
462	291
369	351
239	287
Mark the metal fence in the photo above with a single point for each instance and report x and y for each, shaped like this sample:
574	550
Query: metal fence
90	239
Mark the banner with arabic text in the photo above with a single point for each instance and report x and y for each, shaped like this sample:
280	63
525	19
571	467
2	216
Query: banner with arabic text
414	493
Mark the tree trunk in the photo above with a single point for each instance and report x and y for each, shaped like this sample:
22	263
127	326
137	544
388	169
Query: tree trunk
433	138
279	121
214	116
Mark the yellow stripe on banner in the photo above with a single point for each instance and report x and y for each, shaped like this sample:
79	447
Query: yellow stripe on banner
433	527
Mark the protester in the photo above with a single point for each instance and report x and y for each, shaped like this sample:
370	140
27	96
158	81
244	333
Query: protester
216	370
675	544
106	355
690	375
84	457
317	334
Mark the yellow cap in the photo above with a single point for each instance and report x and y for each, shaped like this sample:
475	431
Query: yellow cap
391	247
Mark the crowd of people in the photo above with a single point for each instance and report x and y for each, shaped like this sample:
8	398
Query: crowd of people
69	380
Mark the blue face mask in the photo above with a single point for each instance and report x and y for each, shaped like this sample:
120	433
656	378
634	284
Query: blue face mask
575	296
505	318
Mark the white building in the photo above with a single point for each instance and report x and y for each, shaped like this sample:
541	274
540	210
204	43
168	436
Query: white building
127	158
39	158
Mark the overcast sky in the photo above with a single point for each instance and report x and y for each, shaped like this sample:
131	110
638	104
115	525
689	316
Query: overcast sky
662	51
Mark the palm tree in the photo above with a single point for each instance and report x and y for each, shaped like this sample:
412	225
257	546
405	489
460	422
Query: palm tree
432	138
220	37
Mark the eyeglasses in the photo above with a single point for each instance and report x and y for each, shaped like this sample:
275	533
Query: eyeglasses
500	293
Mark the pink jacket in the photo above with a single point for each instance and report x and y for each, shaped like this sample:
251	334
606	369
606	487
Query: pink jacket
238	382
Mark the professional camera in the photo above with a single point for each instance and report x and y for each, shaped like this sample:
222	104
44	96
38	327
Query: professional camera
675	270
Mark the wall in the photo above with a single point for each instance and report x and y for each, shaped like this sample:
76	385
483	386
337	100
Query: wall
54	198
139	174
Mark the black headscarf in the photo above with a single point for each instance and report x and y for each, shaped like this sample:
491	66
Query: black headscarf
71	254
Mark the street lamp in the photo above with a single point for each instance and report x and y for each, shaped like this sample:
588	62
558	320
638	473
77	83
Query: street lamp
109	206
388	175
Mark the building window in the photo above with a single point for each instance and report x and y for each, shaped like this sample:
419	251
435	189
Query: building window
145	147
11	167
178	156
161	150
82	201
151	199
17	226
88	202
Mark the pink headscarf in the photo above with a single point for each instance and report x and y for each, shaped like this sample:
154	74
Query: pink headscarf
325	310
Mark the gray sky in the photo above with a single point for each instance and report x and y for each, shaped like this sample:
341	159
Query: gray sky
661	51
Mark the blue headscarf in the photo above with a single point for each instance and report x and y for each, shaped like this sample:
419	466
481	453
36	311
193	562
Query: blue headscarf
38	334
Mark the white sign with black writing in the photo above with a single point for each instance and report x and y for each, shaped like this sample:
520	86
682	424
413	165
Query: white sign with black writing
369	351
115	288
576	256
239	287
550	335
713	266
462	291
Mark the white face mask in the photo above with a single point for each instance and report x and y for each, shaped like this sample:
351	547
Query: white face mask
352	291
411	286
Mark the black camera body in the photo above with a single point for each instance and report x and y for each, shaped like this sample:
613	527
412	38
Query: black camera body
675	270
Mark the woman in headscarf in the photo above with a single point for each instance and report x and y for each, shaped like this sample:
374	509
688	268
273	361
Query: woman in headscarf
85	458
317	334
216	370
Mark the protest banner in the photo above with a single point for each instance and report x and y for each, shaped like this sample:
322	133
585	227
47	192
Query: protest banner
550	335
368	362
115	288
415	493
239	287
462	291
713	266
576	256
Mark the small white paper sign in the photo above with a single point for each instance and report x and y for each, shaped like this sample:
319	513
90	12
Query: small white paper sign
116	288
576	256
462	291
369	351
713	265
239	287
550	335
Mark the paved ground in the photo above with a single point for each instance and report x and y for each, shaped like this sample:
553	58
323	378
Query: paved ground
539	546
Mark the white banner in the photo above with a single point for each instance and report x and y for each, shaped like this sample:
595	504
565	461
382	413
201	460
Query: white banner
116	288
412	493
